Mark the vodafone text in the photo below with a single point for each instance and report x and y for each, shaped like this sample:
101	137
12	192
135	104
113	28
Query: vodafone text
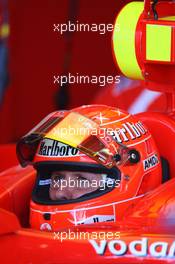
138	248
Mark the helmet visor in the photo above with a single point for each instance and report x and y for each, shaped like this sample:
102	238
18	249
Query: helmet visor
79	132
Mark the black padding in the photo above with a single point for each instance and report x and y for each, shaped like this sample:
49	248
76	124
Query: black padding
165	170
40	194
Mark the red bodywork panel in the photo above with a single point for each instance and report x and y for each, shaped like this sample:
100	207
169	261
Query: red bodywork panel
149	222
8	156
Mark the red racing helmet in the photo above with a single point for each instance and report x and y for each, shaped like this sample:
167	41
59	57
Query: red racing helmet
95	140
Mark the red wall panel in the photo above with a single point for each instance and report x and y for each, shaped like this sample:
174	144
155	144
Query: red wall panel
37	53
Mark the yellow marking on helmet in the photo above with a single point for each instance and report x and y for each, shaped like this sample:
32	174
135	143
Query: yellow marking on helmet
158	42
124	40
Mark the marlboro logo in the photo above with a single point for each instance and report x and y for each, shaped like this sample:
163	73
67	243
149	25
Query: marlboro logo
129	131
53	148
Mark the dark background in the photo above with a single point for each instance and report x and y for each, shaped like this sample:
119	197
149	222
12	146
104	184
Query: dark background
36	53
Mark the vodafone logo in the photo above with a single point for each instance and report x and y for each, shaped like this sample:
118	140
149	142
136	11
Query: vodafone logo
137	248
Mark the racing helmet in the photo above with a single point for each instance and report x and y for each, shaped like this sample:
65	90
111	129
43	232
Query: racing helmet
101	141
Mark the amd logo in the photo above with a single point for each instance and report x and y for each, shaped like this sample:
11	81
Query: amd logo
150	162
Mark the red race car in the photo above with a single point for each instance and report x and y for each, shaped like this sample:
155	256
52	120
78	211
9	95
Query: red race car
95	183
130	218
